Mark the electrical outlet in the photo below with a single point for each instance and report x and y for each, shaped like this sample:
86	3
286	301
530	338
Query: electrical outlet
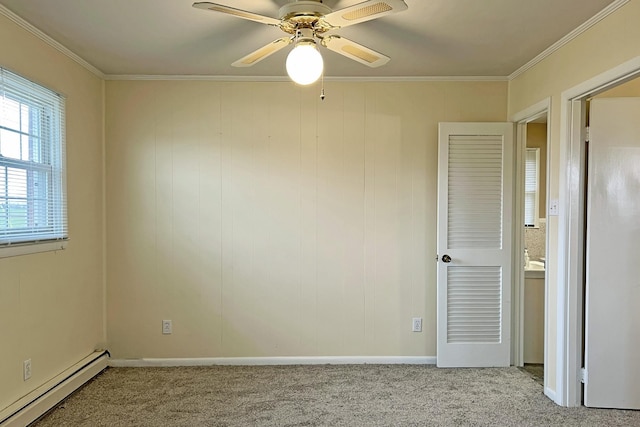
553	207
26	369
416	324
167	327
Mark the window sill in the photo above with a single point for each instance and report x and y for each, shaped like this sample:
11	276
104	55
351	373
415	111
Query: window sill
32	248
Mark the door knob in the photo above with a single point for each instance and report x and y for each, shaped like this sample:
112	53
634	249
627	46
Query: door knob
446	258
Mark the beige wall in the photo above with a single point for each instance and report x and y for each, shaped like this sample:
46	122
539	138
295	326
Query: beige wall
51	304
625	90
262	221
265	222
609	43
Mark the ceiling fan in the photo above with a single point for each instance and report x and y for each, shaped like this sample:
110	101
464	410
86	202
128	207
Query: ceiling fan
307	21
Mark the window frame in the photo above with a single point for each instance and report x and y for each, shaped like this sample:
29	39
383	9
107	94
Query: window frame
43	191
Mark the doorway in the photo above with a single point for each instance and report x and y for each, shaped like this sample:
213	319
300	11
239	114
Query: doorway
530	289
535	238
572	230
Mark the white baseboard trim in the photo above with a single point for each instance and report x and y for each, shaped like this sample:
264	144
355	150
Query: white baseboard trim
255	361
38	402
551	394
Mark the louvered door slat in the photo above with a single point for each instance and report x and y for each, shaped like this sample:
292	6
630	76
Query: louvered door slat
474	300
475	192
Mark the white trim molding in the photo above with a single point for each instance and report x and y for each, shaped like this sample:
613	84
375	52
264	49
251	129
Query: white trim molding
533	112
393	79
35	404
572	35
551	394
4	11
570	228
32	248
521	118
190	77
617	4
263	361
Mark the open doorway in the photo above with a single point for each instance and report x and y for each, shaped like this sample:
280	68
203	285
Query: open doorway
535	239
574	233
530	284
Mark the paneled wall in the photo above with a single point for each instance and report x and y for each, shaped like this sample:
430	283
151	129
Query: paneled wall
51	304
265	222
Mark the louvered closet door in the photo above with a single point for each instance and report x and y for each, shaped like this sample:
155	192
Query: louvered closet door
475	193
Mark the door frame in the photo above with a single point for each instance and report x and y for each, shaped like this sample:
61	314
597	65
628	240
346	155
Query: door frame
571	233
522	118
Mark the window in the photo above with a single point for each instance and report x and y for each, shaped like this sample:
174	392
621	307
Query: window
32	166
531	172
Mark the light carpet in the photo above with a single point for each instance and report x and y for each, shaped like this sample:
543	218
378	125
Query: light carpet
321	395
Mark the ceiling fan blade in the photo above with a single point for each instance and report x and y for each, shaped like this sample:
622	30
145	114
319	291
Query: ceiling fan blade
364	11
265	51
237	12
355	51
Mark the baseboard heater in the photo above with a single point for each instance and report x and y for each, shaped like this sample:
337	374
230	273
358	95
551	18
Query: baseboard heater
38	402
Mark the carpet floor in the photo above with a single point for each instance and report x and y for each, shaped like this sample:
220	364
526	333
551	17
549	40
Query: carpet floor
536	371
320	395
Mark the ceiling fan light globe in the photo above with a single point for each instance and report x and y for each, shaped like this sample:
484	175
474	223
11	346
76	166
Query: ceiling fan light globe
304	64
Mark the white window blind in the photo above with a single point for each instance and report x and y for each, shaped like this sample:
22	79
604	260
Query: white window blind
33	205
532	161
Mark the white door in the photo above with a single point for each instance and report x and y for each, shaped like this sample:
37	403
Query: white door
475	207
612	329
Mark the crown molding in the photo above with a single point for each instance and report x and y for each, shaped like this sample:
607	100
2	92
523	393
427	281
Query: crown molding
422	79
191	77
569	37
287	79
48	40
617	4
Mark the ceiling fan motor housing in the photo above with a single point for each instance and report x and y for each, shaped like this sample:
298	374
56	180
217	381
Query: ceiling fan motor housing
304	14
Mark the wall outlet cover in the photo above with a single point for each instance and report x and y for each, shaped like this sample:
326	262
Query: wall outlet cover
167	327
26	369
416	324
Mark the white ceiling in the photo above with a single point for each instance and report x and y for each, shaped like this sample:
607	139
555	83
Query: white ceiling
431	38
